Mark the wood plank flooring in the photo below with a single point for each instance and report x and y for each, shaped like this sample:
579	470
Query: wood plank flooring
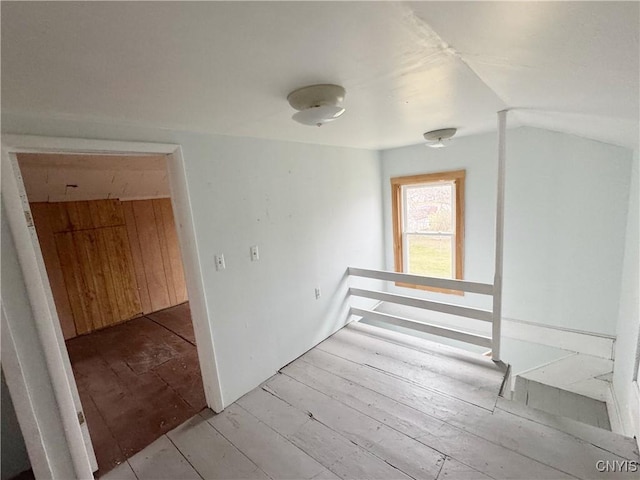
372	404
137	381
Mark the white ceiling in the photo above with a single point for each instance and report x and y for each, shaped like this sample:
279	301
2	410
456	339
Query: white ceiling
47	177
227	67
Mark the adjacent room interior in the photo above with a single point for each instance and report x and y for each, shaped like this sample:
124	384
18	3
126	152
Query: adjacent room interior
403	235
107	233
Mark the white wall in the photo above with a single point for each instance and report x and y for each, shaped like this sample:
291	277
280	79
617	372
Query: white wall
312	210
565	220
629	317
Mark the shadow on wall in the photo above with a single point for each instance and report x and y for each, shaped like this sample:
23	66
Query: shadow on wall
14	453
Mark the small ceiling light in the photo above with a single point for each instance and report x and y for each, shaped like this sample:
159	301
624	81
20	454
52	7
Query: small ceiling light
317	104
439	138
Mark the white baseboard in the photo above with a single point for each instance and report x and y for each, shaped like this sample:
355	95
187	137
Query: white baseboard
613	409
635	412
589	343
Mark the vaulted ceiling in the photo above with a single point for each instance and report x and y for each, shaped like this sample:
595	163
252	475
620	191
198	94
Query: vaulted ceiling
408	67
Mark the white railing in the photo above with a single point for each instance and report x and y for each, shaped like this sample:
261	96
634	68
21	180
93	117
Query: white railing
492	342
495	291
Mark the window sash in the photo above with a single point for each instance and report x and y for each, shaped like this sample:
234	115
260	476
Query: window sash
405	249
398	206
405	233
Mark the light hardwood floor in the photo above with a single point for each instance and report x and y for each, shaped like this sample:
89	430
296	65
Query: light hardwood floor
372	404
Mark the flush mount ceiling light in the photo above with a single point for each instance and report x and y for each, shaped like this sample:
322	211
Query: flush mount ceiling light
317	104
439	138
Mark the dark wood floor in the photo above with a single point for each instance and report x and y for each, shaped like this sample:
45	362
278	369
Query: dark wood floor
137	381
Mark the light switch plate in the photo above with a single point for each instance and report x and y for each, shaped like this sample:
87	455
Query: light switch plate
220	265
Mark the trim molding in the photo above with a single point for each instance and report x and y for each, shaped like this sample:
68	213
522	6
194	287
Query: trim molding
37	286
588	343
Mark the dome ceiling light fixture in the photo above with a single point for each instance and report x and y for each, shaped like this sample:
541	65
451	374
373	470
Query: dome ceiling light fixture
317	104
439	138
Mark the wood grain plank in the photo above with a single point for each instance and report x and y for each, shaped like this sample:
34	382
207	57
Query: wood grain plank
151	254
136	256
211	454
465	429
164	249
474	370
326	446
428	401
161	460
100	284
88	264
426	346
79	214
106	213
177	319
275	455
74	280
173	248
121	264
42	217
414	367
59	217
124	294
397	449
623	446
454	470
421	414
479	370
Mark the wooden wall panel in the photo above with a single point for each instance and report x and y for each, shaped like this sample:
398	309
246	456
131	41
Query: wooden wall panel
41	213
164	250
136	254
151	254
77	288
159	262
79	215
98	271
120	263
173	248
59	218
74	216
109	261
106	213
97	282
109	277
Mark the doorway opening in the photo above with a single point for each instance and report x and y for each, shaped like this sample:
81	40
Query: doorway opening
125	314
107	233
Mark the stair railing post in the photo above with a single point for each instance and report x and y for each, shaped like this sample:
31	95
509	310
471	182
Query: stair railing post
497	279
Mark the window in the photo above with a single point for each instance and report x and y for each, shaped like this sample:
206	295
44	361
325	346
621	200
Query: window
428	225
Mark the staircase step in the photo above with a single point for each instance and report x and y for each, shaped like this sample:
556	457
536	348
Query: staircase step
584	375
617	444
560	401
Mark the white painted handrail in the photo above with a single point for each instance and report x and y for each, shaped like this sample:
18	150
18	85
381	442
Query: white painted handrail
424	327
476	313
461	285
439	330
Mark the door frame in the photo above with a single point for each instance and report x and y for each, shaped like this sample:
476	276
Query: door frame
19	218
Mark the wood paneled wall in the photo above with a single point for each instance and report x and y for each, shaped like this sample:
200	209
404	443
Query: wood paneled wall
109	261
156	253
